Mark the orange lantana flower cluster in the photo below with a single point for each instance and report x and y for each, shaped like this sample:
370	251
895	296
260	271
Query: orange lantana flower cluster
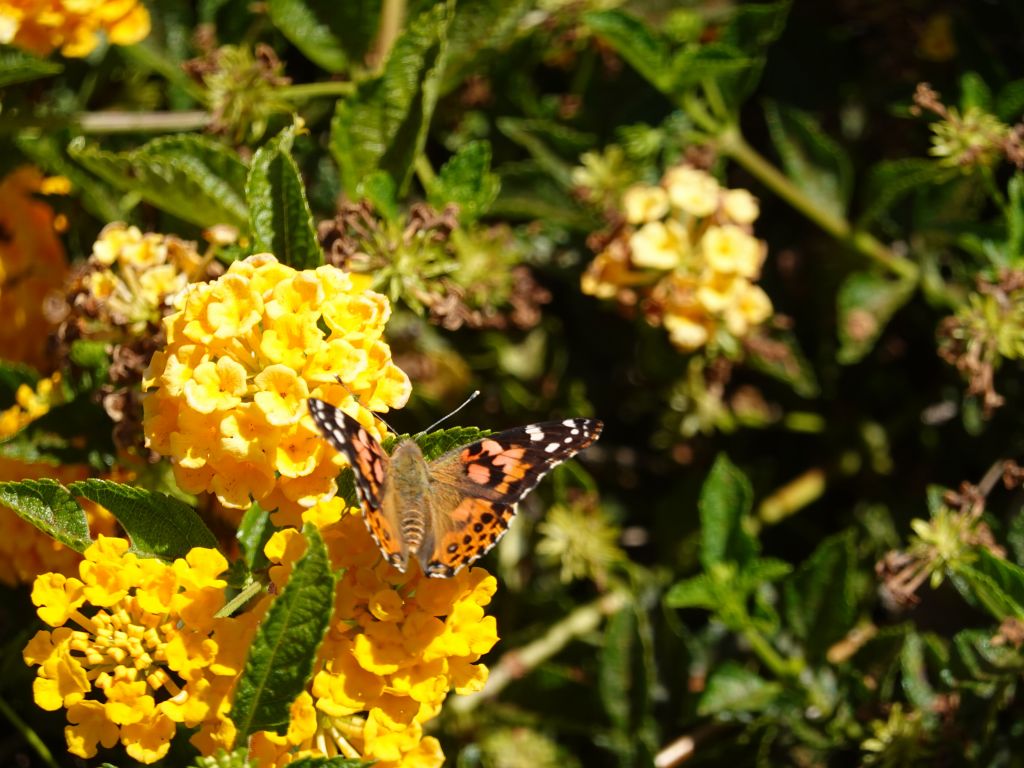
74	26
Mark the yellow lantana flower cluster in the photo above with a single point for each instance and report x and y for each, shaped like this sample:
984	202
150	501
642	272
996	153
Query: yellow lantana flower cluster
397	644
686	254
132	276
226	398
148	652
32	266
74	26
30	404
25	551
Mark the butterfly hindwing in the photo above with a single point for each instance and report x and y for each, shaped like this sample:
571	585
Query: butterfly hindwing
370	464
476	487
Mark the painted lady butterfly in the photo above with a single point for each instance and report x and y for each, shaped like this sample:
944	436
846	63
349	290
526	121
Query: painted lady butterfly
451	510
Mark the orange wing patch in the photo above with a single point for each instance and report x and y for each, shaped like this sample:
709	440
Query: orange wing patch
477	524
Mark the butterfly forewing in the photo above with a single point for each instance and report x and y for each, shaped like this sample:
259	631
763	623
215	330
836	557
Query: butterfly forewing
370	465
476	487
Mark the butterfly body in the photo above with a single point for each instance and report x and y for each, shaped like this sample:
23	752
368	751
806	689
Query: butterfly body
449	511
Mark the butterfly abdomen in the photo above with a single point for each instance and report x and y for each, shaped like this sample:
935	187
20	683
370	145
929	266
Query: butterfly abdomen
410	483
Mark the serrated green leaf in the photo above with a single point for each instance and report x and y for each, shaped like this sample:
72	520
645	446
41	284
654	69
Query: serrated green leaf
480	29
18	67
189	176
892	180
644	50
49	507
974	92
281	657
865	305
710	61
156	523
731	688
383	126
279	216
813	161
725	502
467	181
696	592
820	598
1001	576
914	674
760	571
548	143
332	35
1010	101
615	677
378	189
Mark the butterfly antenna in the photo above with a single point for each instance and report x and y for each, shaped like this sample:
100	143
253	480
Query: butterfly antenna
470	399
375	415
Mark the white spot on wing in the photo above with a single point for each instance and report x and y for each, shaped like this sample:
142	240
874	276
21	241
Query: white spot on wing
551	447
569	423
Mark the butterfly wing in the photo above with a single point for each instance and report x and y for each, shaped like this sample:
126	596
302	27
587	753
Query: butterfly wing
370	465
475	488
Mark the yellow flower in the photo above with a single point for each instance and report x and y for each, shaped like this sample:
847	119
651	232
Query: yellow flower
642	203
226	398
396	646
40	26
740	206
32	266
730	250
148	653
751	307
659	245
691	190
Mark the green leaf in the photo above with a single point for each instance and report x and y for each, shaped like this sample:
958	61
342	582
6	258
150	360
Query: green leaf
330	762
156	523
732	688
615	677
479	30
191	177
820	598
914	673
12	376
646	52
974	92
865	304
49	507
813	161
329	33
548	142
696	592
892	180
776	352
384	124
725	502
1010	102
279	216
760	571
254	532
998	584
281	658
710	61
17	67
467	181
378	188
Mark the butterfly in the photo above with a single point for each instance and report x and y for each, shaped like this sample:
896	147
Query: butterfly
449	511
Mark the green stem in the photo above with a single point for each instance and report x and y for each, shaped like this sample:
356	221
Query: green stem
28	734
781	667
731	143
425	172
392	16
517	663
142	122
306	91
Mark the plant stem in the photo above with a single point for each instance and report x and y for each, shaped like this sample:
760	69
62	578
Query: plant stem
392	16
142	122
28	734
730	142
306	91
781	667
516	663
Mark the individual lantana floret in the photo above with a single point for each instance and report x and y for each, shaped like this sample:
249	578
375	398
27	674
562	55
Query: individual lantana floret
397	645
687	257
25	551
136	648
74	26
32	267
226	398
